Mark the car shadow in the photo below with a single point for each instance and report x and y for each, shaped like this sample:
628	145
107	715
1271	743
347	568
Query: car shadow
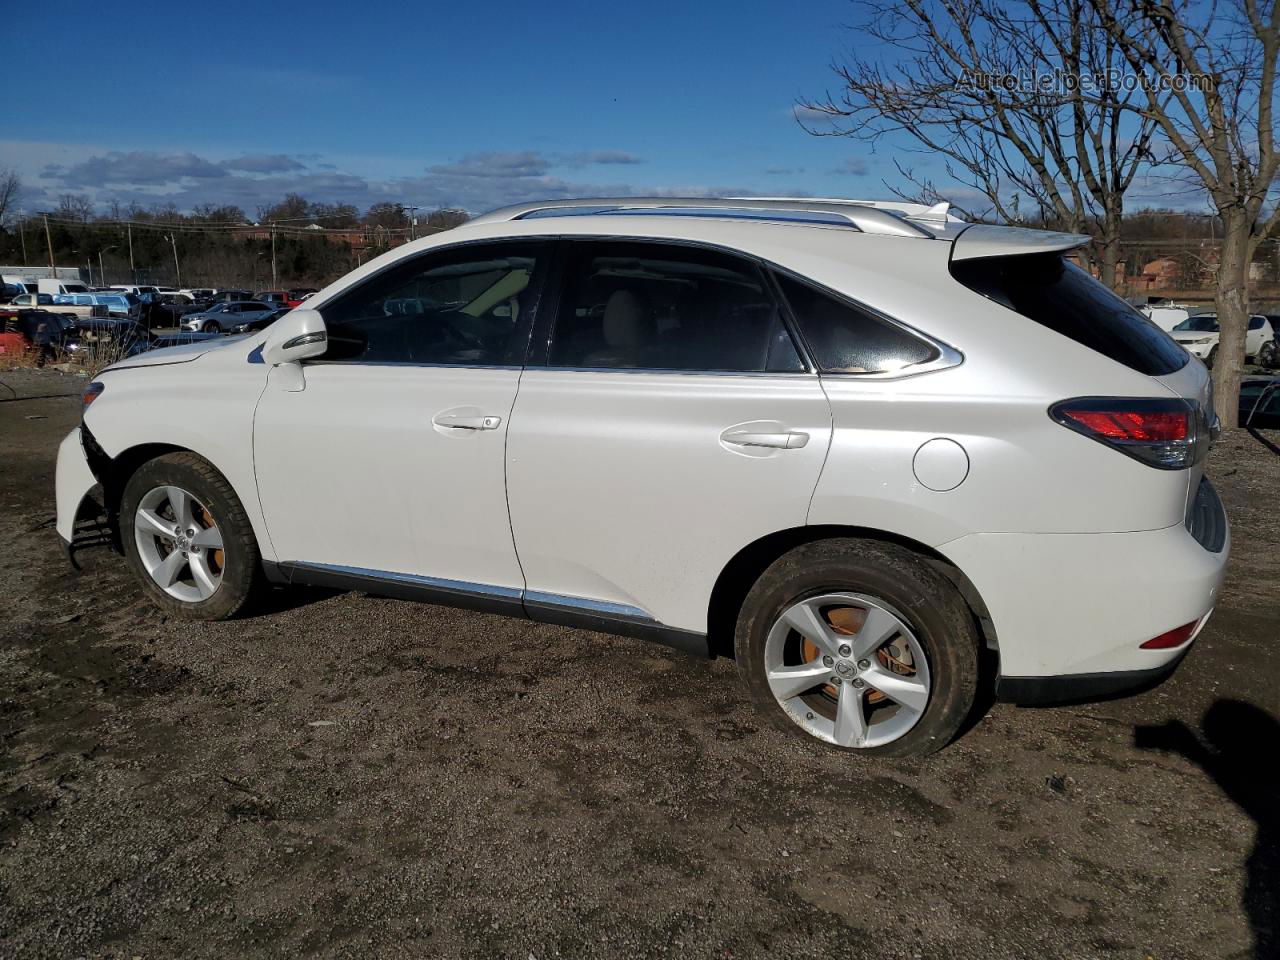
282	598
1232	747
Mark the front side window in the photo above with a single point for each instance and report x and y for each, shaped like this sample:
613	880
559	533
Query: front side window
465	305
652	306
846	338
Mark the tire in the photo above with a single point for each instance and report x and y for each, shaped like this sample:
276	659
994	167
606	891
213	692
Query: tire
232	574
1267	355
872	580
1213	355
212	327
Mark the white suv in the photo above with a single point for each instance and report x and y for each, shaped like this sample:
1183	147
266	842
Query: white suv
883	457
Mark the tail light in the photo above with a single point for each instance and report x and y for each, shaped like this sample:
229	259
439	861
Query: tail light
1172	638
1167	434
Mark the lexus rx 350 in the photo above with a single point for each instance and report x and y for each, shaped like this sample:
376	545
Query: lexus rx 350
879	455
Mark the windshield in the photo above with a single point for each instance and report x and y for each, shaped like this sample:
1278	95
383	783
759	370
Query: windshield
1201	324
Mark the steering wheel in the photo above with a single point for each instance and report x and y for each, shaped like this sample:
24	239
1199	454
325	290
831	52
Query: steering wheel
462	337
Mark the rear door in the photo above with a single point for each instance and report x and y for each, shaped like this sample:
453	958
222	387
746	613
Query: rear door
666	420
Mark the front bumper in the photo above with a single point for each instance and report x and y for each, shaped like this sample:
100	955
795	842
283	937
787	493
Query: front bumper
1200	350
73	481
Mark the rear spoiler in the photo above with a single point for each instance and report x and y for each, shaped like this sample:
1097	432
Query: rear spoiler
987	240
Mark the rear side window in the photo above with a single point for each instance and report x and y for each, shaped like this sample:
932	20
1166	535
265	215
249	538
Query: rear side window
846	338
1059	295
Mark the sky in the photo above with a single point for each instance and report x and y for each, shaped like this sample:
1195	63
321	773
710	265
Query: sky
432	104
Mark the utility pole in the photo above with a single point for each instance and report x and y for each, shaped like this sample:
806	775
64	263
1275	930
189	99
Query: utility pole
177	271
274	282
102	273
133	274
413	223
22	235
48	238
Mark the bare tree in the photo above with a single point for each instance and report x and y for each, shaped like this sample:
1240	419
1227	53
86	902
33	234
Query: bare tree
990	88
75	206
1208	73
10	185
388	215
446	218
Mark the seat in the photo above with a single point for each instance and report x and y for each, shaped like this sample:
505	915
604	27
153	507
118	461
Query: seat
627	329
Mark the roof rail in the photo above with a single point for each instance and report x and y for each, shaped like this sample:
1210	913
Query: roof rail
887	219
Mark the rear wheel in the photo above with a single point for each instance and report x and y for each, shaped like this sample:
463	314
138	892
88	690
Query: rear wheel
1267	355
862	645
188	539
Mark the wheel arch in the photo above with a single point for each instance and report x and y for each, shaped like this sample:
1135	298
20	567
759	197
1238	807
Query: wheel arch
746	566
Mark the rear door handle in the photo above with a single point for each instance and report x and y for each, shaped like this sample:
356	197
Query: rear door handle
787	440
459	422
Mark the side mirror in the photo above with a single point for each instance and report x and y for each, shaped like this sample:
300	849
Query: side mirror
298	335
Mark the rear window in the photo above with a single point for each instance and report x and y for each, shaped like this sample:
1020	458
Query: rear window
1059	295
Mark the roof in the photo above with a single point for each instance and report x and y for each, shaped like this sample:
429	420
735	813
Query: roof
881	217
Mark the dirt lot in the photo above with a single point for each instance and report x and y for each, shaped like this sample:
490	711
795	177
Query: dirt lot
348	776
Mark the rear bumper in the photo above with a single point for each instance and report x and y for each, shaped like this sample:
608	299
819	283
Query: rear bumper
1071	611
1084	687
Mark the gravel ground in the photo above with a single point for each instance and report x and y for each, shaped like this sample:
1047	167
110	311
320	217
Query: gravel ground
348	776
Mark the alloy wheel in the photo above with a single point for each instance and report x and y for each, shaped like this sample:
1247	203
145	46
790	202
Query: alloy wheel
179	543
848	669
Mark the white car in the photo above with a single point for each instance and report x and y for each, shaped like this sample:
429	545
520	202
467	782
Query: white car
816	436
221	317
1166	317
1198	335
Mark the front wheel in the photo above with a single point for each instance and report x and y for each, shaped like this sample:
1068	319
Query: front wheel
188	539
212	327
862	645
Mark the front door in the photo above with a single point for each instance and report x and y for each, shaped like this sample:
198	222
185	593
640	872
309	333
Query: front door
671	423
388	462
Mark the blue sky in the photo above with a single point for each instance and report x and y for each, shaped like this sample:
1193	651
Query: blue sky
470	104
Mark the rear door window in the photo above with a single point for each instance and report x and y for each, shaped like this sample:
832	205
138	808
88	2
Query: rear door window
632	305
1048	290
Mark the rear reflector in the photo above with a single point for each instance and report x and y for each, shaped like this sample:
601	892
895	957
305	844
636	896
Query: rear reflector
1174	638
1167	434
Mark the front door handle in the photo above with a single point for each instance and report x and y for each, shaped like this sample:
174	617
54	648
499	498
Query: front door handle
786	440
456	421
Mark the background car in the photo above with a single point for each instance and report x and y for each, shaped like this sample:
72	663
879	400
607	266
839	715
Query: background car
260	323
1269	352
224	316
229	296
1198	335
1260	403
